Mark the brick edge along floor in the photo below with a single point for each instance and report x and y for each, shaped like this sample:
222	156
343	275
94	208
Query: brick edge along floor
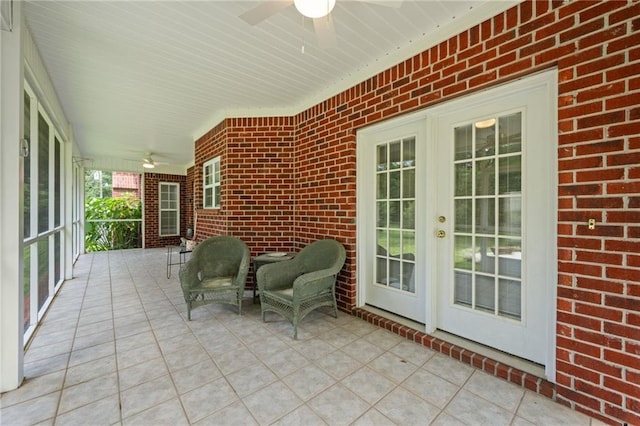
511	374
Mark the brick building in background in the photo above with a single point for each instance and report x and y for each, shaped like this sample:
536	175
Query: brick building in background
126	183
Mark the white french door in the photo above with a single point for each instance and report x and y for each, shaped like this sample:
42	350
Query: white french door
456	210
496	239
390	171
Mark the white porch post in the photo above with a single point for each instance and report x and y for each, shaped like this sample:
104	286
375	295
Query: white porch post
11	184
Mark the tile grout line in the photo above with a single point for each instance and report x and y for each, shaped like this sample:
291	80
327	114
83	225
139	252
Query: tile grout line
162	354
75	333
115	341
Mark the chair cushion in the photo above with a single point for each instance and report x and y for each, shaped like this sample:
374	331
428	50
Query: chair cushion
286	293
217	282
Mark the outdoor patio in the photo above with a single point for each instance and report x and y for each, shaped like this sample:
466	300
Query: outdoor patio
115	348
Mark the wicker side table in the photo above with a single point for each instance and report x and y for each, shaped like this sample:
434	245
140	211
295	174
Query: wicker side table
263	259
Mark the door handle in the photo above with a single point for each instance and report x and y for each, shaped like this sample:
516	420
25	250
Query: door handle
441	233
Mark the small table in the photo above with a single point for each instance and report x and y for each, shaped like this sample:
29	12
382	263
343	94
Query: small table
182	257
264	259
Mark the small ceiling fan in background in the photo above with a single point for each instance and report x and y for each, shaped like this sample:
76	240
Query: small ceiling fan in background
148	161
318	10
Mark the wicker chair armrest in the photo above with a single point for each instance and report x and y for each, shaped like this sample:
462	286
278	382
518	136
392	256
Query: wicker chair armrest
188	275
313	283
241	278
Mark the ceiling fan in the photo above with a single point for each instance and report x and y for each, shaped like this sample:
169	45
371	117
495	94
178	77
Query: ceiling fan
318	10
149	163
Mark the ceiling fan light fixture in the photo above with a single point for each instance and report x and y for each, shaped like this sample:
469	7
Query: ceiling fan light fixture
314	8
148	164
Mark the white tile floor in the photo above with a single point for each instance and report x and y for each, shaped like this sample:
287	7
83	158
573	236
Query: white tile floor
115	348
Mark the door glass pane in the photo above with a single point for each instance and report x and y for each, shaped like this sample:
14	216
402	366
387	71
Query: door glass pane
510	216
408	260
381	270
382	185
394	273
408	214
381	258
394	155
509	298
381	241
510	173
408	183
382	158
510	133
485	259
394	184
43	174
463	139
485	293
485	138
465	254
463	179
395	218
509	257
485	177
394	247
409	152
485	215
381	218
394	214
462	294
463	216
488	254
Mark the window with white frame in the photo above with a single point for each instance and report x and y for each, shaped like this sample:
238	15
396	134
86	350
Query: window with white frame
169	208
211	184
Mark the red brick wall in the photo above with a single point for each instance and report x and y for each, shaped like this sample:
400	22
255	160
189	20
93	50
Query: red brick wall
126	183
325	163
210	222
257	182
594	45
151	183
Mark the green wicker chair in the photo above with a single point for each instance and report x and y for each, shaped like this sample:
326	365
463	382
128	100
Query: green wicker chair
295	287
216	273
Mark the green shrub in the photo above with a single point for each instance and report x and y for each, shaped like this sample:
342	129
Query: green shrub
120	234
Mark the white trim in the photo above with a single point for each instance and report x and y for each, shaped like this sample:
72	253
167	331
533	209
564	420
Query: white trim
11	190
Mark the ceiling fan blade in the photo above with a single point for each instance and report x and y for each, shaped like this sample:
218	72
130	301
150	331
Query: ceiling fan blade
325	33
264	10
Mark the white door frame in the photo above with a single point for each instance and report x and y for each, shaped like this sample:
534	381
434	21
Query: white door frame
549	81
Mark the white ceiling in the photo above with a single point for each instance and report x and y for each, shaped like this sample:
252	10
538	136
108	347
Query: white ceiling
152	76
